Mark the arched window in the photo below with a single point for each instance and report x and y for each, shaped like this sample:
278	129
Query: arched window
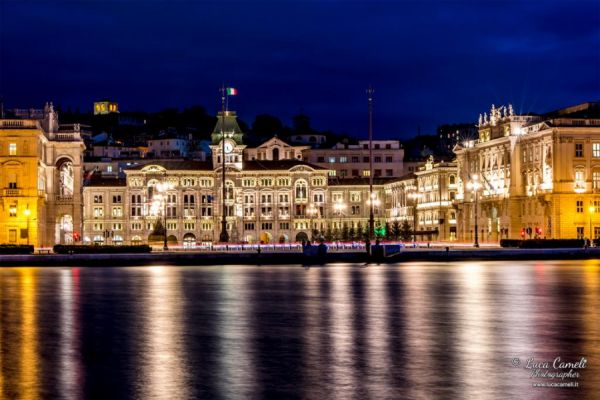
301	190
229	189
275	154
452	179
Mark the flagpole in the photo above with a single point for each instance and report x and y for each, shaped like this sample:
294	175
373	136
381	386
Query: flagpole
224	236
370	92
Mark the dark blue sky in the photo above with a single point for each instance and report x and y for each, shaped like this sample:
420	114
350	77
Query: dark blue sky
430	62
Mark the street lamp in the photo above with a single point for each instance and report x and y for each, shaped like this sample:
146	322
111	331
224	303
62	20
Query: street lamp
373	203
339	206
27	214
162	189
414	196
312	211
474	185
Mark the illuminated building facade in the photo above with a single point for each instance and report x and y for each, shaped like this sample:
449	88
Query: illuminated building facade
531	176
425	200
40	180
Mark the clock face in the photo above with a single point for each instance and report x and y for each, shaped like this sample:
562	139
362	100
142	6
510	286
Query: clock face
228	147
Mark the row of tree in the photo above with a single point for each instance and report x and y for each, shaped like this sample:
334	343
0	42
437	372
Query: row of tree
395	231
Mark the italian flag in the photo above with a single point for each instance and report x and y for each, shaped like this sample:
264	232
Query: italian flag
231	91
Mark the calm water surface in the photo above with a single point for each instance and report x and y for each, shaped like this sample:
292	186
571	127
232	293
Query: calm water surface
415	331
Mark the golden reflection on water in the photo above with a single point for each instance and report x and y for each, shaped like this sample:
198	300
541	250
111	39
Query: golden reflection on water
591	320
164	374
417	332
236	363
70	359
474	332
343	375
377	312
29	368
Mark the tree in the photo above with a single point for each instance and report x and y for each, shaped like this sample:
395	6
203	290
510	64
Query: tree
396	229
328	235
345	233
388	232
266	126
405	231
351	233
336	234
360	232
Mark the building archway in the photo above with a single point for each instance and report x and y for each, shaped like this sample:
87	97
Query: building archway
172	240
301	236
265	238
275	154
283	238
64	230
189	241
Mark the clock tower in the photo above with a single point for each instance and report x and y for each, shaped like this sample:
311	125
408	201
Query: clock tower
227	130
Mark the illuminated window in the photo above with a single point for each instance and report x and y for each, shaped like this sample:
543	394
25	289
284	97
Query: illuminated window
12	211
366	172
12	149
595	150
578	149
596	179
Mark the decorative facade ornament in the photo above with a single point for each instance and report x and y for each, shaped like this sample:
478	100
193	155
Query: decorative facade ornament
510	110
480	119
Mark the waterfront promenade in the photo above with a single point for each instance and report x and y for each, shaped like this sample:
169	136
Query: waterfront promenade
295	256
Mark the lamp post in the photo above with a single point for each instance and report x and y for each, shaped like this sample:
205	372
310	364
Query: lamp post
474	185
370	92
338	207
372	203
414	195
27	214
311	211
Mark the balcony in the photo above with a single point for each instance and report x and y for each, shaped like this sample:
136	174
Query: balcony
18	124
64	199
12	192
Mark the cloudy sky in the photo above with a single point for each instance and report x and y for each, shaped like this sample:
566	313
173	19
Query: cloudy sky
430	62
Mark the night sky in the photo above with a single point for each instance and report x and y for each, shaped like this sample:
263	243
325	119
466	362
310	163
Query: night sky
430	62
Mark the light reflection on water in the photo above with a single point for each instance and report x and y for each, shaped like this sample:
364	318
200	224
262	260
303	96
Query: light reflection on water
419	330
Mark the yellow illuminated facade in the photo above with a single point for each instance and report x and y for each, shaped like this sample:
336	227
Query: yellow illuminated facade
539	175
40	181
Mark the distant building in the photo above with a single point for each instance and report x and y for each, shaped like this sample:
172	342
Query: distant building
452	134
347	161
106	107
313	139
168	146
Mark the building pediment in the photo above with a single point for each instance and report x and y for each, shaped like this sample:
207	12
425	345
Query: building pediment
153	168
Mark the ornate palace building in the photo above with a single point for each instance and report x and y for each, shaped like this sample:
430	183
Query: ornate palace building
531	175
271	195
40	180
